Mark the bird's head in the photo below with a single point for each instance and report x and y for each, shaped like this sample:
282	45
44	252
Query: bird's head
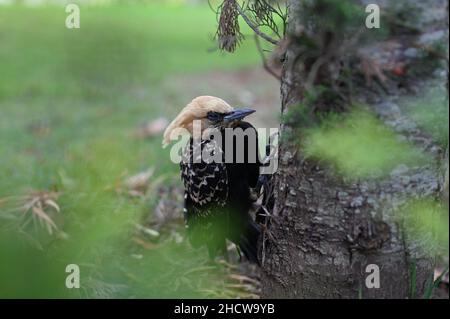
213	112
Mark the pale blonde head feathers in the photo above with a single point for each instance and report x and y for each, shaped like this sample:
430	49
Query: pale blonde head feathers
197	109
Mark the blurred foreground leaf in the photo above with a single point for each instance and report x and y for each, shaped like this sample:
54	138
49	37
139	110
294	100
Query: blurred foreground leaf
360	146
426	221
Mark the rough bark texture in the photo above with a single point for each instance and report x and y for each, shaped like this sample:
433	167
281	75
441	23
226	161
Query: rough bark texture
326	230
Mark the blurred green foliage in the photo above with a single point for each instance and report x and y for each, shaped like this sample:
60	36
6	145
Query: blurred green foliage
339	18
427	223
359	145
331	15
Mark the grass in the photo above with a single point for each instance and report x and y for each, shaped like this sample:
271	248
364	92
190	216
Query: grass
433	284
69	103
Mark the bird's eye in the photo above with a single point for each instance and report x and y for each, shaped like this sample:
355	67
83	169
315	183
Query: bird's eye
214	116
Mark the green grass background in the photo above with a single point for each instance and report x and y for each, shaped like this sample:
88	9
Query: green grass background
96	83
70	101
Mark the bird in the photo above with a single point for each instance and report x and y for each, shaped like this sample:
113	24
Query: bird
218	194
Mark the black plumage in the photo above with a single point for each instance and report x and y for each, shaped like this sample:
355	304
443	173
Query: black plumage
218	195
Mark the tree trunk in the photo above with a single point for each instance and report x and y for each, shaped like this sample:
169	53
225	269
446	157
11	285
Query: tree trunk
325	230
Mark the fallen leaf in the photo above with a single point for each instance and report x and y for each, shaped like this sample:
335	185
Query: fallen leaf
153	128
148	231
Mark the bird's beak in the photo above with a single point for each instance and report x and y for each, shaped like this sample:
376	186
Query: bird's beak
238	114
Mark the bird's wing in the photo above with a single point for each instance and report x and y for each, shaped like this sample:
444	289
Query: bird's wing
205	183
249	169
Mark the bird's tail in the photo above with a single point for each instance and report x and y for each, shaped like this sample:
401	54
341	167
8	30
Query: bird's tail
248	241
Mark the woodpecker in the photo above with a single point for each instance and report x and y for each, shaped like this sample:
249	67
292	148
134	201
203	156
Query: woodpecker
217	197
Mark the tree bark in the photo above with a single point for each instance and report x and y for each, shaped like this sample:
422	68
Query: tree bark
325	230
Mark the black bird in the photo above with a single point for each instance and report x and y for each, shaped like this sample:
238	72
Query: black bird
218	183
